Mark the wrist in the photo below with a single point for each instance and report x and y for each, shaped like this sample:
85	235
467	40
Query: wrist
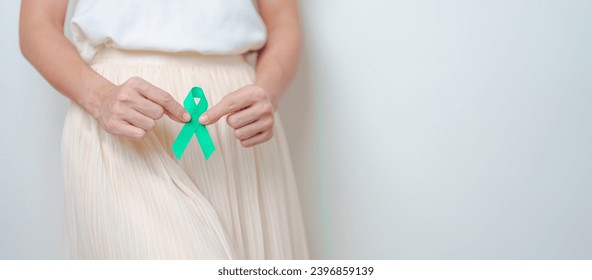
271	95
91	100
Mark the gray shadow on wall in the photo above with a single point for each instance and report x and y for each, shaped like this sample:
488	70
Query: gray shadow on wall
297	111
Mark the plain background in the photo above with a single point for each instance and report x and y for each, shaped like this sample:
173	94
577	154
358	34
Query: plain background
419	129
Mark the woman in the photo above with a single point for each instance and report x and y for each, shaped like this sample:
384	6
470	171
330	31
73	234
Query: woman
132	62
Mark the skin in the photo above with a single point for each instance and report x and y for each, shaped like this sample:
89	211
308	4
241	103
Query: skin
132	108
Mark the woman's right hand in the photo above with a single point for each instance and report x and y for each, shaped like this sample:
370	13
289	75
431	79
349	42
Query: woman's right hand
132	108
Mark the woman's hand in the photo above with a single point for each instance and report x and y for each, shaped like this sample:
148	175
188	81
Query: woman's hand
250	109
129	110
250	113
132	108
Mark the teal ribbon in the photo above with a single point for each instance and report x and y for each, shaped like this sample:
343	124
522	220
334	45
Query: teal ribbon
193	126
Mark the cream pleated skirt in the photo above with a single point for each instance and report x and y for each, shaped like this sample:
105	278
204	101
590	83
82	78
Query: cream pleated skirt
135	200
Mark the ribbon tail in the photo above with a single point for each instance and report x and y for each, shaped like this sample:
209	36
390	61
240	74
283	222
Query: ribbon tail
182	141
205	141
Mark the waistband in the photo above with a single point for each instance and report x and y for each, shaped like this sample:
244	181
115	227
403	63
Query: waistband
144	57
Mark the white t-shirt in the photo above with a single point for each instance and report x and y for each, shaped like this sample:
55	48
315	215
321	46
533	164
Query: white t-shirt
215	27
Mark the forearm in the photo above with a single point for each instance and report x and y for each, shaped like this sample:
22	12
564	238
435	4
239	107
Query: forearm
58	61
278	61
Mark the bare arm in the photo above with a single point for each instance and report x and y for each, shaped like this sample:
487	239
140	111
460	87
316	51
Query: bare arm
43	43
250	109
130	109
278	60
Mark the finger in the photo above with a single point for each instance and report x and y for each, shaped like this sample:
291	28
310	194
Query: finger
173	117
162	98
173	109
148	108
242	117
232	102
253	129
127	130
257	139
141	121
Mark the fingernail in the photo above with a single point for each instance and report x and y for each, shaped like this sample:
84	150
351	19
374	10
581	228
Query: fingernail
186	117
203	119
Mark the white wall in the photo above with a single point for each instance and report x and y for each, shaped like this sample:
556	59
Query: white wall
418	129
446	129
31	194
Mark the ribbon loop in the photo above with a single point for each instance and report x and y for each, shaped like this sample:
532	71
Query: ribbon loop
193	126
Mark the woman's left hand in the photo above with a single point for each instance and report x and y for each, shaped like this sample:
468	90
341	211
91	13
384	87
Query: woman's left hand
250	113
